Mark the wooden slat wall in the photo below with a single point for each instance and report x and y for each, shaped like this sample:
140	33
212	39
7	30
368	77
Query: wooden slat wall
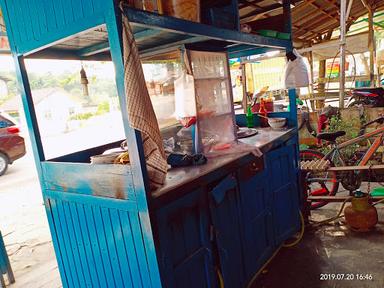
44	22
95	241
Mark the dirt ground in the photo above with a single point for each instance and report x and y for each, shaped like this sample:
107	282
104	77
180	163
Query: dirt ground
24	226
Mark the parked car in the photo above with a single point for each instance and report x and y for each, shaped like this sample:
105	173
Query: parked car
12	146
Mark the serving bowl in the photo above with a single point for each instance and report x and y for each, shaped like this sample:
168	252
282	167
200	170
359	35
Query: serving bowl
277	123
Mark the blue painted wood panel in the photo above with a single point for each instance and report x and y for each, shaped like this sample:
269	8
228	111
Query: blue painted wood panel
224	204
282	166
256	218
94	242
113	181
184	253
36	24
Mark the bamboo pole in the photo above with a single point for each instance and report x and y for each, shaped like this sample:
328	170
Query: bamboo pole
343	8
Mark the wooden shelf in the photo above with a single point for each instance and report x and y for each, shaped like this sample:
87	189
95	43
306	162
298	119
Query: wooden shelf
211	78
156	34
193	29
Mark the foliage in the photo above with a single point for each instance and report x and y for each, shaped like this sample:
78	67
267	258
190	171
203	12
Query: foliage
350	127
103	108
82	116
101	89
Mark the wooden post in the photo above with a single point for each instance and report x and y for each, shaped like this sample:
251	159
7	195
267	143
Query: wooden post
371	46
322	74
321	87
244	84
288	20
371	41
343	11
310	58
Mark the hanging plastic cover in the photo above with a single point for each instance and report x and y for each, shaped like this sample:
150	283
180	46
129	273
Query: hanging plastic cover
185	96
296	73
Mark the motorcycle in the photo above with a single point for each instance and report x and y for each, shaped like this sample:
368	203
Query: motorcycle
373	97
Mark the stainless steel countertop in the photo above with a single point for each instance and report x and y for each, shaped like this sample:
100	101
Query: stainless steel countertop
265	140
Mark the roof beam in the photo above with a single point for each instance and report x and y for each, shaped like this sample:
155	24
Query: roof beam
330	16
247	3
302	5
298	29
314	23
262	10
93	49
250	4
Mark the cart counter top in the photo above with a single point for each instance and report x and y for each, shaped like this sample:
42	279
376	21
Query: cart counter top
188	178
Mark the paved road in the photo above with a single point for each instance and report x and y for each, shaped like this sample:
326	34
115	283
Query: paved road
24	226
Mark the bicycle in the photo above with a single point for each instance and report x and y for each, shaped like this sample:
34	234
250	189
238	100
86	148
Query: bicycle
327	183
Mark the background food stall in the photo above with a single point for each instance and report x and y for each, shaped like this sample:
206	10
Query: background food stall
207	224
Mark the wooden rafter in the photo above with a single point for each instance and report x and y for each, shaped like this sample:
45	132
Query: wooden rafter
323	11
311	18
302	5
308	21
306	18
305	30
265	9
248	3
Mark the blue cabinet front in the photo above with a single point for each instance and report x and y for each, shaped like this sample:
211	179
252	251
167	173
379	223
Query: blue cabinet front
184	247
282	170
226	228
231	226
256	216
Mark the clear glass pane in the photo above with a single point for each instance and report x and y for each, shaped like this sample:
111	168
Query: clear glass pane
69	118
212	96
213	99
209	64
160	77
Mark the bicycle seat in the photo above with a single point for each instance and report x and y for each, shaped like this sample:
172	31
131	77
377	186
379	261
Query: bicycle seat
331	137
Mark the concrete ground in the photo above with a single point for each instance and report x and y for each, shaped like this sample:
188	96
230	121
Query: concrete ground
24	226
328	250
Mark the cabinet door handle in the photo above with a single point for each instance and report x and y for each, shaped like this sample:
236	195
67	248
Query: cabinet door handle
224	252
221	189
254	167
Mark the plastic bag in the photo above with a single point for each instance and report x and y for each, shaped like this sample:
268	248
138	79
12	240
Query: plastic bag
296	73
234	147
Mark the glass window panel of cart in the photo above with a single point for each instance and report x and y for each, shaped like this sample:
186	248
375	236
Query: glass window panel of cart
71	115
213	99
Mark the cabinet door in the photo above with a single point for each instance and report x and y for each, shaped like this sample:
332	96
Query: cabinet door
226	227
256	217
184	244
283	184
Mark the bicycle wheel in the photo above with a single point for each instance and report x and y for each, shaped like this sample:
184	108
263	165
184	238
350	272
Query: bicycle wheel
320	187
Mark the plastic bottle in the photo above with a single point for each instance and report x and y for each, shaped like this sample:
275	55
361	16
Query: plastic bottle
249	117
263	114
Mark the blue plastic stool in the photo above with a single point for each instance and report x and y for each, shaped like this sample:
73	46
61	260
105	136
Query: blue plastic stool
5	266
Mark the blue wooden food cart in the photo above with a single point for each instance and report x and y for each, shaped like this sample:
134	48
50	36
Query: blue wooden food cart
209	225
